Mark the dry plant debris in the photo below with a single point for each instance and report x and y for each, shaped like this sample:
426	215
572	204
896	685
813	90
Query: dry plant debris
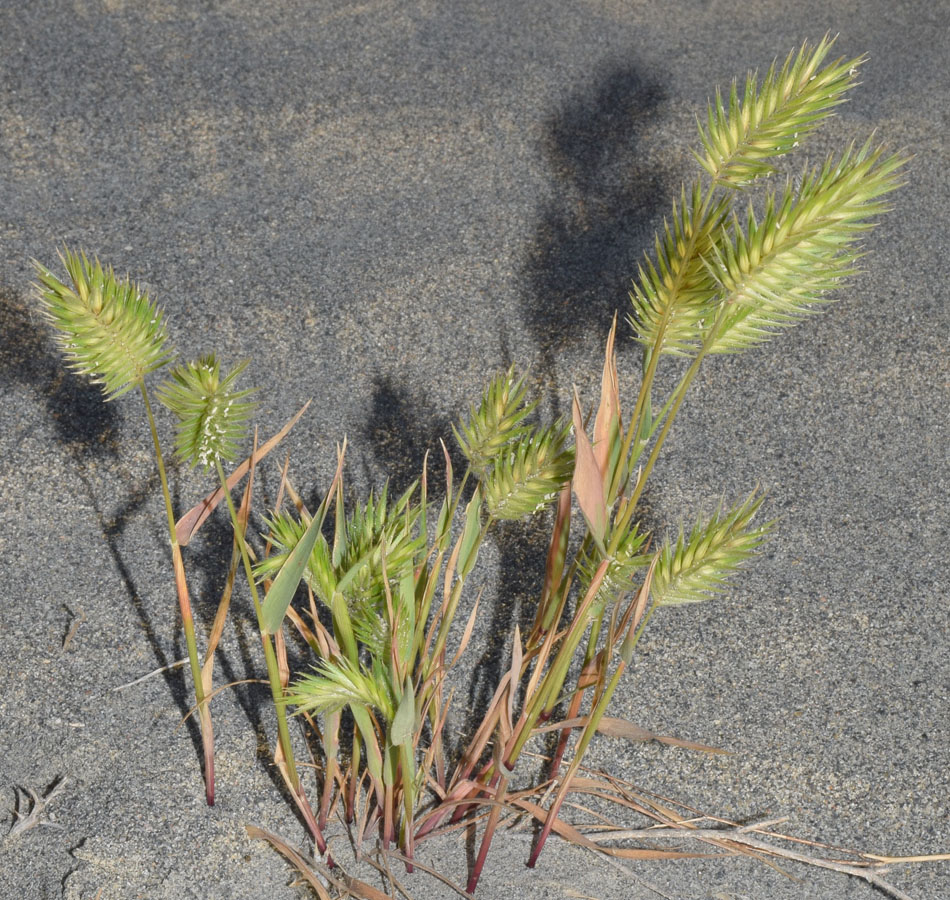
31	809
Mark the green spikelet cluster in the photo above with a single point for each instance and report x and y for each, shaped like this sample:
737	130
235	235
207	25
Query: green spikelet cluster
770	120
212	416
522	467
106	327
671	297
780	268
529	473
376	533
626	563
720	285
341	682
496	423
284	533
696	566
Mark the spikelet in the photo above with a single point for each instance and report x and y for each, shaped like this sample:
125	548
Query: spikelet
780	268
212	416
354	569
771	120
626	563
697	566
529	473
339	682
496	422
720	287
106	327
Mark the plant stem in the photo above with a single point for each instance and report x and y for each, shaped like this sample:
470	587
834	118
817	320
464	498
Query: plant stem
676	400
596	714
184	603
493	817
273	672
288	765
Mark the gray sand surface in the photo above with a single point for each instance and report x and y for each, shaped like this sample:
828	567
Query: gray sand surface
380	204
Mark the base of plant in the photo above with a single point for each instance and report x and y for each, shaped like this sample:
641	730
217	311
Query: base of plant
666	830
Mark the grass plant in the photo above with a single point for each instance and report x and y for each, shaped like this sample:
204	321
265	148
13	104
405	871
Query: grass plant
383	580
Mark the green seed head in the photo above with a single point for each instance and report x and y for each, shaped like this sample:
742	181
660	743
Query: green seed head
107	328
212	417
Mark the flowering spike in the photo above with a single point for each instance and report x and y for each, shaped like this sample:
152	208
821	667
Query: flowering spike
211	415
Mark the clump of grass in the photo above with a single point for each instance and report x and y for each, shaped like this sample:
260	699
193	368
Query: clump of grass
384	579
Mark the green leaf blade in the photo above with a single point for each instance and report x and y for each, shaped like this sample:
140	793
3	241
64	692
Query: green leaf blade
285	584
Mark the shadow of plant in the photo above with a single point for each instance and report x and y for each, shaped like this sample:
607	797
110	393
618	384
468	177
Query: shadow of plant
588	242
85	425
591	238
401	429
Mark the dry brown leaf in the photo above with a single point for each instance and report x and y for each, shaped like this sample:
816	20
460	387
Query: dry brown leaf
299	863
364	890
621	728
570	833
466	635
515	673
588	478
559	826
611	726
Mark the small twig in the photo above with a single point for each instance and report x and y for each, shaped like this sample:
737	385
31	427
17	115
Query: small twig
175	665
741	836
29	814
74	626
761	826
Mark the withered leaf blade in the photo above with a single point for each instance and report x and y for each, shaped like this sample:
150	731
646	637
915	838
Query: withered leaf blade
588	479
572	834
621	728
610	726
299	863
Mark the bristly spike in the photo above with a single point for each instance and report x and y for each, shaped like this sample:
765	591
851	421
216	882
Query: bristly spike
772	119
530	475
354	569
697	566
716	288
674	294
780	269
496	423
107	328
212	418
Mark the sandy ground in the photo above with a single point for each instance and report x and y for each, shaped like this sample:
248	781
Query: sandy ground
380	204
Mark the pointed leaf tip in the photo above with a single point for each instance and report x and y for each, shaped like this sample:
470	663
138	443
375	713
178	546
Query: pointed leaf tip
607	424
